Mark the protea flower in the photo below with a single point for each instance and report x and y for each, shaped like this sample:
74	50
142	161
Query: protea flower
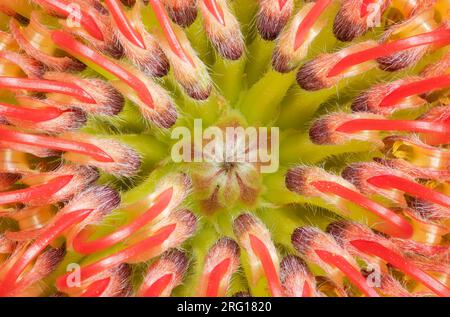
224	148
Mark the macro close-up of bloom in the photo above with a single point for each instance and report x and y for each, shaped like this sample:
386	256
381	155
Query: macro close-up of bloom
224	148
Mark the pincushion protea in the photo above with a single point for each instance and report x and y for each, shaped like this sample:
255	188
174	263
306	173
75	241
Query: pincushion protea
93	203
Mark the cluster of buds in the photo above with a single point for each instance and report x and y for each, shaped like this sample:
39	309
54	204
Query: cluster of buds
52	155
57	149
36	252
415	155
135	246
155	225
404	194
401	46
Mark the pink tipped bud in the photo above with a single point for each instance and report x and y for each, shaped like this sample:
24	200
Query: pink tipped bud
341	127
108	101
189	70
124	161
100	200
345	231
372	99
82	178
423	22
164	275
355	17
182	12
169	233
296	279
221	263
139	46
254	238
114	282
222	28
101	35
301	180
28	286
42	52
360	173
308	239
162	113
117	283
37	115
325	130
295	39
68	89
22	62
316	74
180	185
320	248
272	17
428	210
37	193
